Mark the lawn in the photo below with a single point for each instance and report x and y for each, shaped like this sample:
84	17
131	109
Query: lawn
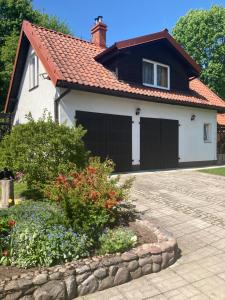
215	171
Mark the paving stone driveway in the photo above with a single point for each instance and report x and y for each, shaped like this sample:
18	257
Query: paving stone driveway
192	206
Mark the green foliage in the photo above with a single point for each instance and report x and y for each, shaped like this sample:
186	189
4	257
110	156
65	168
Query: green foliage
35	244
117	240
90	199
39	212
42	149
37	234
12	13
202	34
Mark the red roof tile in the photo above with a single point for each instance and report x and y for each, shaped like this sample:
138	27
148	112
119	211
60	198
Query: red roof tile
71	62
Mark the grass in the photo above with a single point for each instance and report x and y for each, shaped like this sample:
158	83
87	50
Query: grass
215	171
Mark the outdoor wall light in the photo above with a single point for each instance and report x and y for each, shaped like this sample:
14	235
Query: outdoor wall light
193	117
138	110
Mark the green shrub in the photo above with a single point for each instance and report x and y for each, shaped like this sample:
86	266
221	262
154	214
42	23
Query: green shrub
34	244
42	149
117	240
90	199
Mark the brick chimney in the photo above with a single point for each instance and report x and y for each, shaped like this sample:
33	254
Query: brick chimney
99	33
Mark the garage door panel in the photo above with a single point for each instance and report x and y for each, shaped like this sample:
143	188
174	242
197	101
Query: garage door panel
169	130
108	136
150	143
159	143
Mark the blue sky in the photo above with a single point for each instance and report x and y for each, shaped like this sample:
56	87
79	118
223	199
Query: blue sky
125	18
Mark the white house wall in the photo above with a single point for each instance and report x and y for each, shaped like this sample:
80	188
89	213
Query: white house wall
191	143
37	100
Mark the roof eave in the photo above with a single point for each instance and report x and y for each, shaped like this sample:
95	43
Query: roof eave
93	89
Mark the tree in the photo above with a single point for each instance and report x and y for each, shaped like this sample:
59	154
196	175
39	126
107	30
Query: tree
12	14
202	34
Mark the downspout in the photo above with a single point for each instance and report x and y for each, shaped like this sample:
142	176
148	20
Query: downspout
56	104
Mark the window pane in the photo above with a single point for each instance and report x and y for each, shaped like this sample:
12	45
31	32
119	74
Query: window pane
162	76
207	132
148	73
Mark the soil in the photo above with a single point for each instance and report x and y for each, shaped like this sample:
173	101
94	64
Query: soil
144	235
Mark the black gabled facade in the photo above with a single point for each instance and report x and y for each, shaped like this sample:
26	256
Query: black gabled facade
127	63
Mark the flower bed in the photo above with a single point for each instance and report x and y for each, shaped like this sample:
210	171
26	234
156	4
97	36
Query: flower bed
97	273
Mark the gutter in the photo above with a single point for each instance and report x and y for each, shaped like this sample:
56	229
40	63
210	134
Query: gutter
56	104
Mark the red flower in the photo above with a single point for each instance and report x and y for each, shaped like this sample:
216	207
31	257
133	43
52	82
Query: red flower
94	195
11	223
110	203
91	170
111	194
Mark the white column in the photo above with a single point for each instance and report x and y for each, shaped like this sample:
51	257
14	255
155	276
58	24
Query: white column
136	140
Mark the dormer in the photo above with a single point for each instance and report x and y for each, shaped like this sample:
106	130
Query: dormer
154	60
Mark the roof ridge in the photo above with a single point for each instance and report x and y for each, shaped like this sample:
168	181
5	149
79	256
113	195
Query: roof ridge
63	34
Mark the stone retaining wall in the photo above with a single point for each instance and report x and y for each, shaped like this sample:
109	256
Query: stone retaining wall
93	274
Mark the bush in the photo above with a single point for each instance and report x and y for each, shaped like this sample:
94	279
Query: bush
90	199
37	234
34	244
42	149
117	240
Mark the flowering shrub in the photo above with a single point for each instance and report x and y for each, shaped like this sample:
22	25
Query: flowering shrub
117	240
90	199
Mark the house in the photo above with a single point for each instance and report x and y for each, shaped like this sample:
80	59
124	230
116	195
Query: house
140	99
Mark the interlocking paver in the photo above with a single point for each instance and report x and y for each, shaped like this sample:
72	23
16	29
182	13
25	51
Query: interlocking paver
192	206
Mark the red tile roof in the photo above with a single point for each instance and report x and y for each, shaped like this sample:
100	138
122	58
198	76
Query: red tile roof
70	62
221	119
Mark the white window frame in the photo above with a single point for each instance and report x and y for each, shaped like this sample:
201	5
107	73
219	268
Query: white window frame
209	138
155	64
33	72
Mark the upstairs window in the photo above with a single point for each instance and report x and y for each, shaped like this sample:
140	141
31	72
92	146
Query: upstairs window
33	72
155	74
207	133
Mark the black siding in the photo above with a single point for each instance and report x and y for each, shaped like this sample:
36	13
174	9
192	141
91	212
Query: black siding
129	63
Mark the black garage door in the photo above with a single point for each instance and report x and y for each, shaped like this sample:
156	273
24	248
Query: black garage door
159	143
108	136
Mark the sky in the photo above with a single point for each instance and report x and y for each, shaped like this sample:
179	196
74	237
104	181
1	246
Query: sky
125	18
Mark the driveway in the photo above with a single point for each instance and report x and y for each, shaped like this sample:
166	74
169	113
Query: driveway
191	205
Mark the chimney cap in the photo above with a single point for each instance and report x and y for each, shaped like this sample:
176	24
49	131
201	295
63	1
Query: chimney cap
98	19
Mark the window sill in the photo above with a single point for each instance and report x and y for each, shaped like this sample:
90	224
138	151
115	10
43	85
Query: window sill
207	142
33	88
156	86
